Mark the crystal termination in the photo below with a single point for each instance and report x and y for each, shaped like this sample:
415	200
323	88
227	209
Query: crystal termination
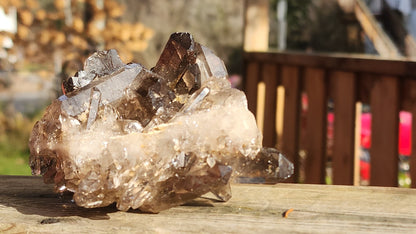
151	139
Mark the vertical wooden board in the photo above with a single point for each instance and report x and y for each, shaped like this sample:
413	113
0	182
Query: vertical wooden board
384	131
412	159
315	87
251	80
357	140
290	135
410	95
365	83
261	97
270	78
344	110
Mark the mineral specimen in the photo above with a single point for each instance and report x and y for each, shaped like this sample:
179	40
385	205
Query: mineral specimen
151	139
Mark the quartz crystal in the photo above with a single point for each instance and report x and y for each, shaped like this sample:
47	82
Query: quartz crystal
151	139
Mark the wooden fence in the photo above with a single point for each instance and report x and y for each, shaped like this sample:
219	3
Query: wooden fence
388	86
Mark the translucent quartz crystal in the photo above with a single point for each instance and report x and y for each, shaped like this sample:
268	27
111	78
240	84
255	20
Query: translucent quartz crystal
151	139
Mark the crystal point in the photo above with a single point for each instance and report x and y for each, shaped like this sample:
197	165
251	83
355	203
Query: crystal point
151	139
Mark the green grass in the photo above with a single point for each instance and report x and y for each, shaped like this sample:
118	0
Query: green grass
14	155
404	180
14	166
15	129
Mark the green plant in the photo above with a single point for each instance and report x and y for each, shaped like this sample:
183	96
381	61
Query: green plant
15	130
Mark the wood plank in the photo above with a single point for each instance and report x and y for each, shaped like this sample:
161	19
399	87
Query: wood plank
384	131
251	81
412	159
290	135
409	89
365	84
261	100
357	140
25	202
344	62
407	94
270	78
344	111
315	86
280	105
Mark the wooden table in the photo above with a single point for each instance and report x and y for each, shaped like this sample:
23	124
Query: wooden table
28	205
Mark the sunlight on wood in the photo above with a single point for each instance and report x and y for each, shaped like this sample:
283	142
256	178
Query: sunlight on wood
280	105
358	110
261	97
27	205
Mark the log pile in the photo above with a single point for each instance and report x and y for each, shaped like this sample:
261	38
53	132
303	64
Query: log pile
72	29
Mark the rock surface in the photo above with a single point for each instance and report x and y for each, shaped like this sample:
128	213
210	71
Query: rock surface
151	139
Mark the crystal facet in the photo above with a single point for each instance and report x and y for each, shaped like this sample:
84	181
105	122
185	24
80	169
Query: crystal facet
151	139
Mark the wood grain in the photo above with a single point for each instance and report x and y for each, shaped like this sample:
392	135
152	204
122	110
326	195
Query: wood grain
344	111
315	142
290	135
384	131
410	88
371	75
29	206
412	160
343	62
270	78
251	80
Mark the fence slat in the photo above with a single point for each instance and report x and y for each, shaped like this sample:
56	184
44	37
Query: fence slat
290	134
384	131
270	78
251	79
315	141
412	159
409	87
344	110
376	81
344	62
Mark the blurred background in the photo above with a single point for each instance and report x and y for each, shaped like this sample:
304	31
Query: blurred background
45	41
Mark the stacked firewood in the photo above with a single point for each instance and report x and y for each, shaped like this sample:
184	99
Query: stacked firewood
73	29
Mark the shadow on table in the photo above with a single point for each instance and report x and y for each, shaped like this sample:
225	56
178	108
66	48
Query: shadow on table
30	196
53	206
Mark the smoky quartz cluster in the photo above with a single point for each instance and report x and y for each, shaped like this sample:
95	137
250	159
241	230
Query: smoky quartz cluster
151	139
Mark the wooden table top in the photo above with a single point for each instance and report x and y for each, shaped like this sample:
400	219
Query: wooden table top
28	205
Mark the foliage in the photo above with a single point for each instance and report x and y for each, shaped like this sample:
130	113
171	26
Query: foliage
15	129
297	23
298	19
331	31
318	25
